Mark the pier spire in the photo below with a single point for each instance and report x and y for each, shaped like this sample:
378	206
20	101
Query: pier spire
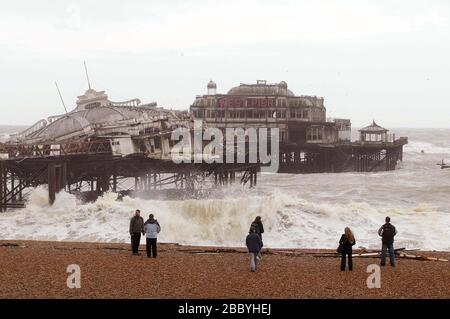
87	75
60	96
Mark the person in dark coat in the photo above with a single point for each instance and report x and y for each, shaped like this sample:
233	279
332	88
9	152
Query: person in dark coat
259	227
136	229
346	243
254	245
387	233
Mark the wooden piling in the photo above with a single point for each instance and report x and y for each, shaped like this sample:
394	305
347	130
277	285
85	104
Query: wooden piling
114	178
2	190
22	185
51	183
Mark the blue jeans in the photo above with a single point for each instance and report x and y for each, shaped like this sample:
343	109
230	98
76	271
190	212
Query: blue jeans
253	261
385	247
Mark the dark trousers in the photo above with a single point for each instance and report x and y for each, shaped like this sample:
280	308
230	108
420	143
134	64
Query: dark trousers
350	260
389	247
135	241
151	247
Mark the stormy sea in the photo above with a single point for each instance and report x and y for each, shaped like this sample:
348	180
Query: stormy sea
298	211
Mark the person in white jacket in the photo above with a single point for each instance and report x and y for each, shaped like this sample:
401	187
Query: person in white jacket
151	228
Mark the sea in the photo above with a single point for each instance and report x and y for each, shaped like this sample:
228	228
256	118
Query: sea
298	211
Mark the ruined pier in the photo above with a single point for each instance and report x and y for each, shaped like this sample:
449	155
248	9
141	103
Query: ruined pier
102	145
337	158
91	169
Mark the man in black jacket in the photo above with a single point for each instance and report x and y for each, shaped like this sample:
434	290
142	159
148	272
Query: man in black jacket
259	230
259	227
136	229
254	245
387	233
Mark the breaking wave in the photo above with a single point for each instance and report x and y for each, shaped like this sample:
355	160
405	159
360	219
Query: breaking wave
301	211
289	221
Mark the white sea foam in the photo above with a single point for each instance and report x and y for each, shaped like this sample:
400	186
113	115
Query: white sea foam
289	221
307	211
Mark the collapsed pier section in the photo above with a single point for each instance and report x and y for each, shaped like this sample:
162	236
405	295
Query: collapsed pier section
90	174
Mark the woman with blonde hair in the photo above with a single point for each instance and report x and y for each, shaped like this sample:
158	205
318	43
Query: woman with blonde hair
345	248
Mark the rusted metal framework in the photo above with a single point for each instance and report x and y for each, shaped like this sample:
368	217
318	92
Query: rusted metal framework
64	149
350	157
91	174
90	168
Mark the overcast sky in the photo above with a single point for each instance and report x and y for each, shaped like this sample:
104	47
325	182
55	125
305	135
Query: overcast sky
383	60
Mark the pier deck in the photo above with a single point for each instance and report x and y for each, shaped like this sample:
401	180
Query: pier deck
343	157
92	168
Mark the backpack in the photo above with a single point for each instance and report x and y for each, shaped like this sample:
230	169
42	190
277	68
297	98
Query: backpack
388	234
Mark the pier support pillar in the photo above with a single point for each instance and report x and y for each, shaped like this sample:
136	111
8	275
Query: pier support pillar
21	183
57	179
13	185
2	188
51	183
114	183
102	184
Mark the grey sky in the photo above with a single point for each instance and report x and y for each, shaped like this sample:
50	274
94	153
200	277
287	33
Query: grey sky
382	60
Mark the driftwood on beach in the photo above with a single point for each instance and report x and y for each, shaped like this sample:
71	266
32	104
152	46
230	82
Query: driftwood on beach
108	270
417	257
370	253
362	253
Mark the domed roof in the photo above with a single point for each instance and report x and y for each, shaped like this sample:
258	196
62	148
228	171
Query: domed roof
67	124
261	88
212	85
283	84
109	114
373	128
78	120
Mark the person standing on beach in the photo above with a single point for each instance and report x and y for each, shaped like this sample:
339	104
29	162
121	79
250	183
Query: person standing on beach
254	245
136	229
346	243
387	233
151	228
259	229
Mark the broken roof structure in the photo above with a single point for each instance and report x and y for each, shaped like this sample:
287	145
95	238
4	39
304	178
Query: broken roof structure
96	115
